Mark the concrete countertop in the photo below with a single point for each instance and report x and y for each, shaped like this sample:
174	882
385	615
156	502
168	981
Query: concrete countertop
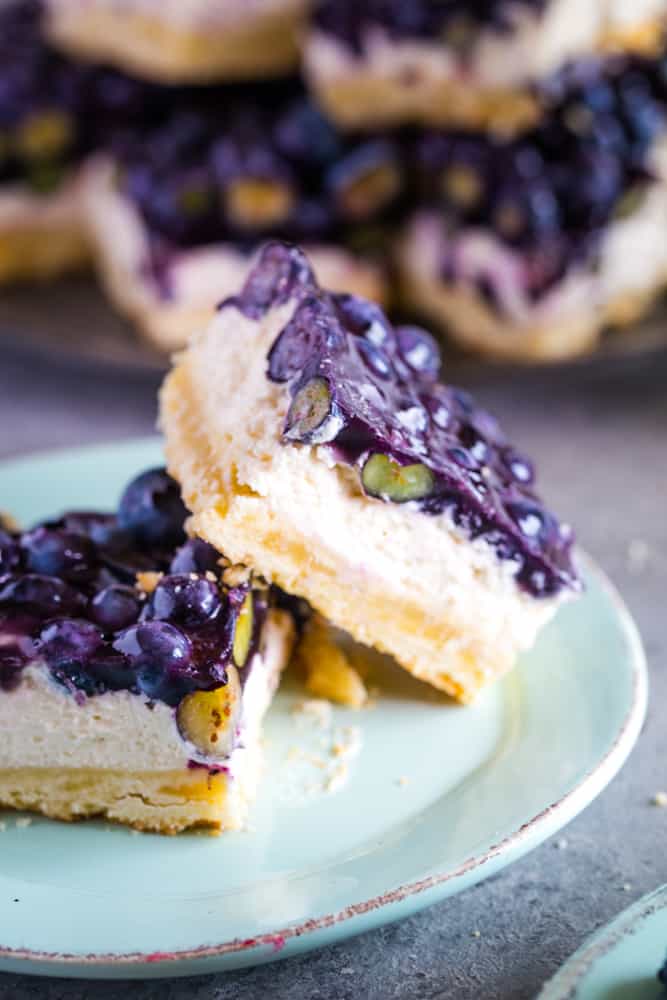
602	450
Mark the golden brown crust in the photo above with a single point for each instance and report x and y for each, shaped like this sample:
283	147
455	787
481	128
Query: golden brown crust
359	97
152	47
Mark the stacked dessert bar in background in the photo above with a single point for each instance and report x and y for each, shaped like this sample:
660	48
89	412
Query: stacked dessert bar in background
503	162
539	210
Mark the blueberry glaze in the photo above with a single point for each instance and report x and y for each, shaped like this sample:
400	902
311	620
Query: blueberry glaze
550	192
453	21
371	392
68	595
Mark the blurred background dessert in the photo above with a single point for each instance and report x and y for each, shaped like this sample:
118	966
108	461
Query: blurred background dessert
498	168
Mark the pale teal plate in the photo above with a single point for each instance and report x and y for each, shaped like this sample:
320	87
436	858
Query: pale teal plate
438	797
620	961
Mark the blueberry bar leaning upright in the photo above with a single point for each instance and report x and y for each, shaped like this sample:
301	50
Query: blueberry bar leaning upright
136	665
474	65
315	441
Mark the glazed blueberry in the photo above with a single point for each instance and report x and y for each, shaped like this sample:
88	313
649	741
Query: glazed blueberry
419	350
184	600
152	511
101	529
53	552
17	647
115	607
68	646
195	556
161	657
10	553
45	595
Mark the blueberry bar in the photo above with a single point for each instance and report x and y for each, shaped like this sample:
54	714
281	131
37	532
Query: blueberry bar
316	442
182	41
135	667
174	213
457	63
529	248
41	234
52	114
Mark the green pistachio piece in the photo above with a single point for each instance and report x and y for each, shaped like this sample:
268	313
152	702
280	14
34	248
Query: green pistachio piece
312	417
384	478
243	632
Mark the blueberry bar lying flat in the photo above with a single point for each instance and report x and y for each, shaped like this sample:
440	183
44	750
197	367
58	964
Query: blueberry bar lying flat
182	41
528	249
314	440
135	668
173	215
472	65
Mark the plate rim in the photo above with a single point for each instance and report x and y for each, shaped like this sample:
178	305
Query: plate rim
601	942
427	890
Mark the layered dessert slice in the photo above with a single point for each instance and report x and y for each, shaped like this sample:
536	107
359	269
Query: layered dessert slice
135	667
529	248
174	214
315	441
473	65
177	42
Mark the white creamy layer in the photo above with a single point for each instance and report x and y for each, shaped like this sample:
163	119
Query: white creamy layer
42	725
21	208
632	259
186	14
538	44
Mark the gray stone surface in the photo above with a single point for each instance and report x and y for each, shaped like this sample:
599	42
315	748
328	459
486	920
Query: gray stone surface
603	451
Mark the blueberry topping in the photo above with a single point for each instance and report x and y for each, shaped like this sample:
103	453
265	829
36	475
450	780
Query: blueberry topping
152	511
10	553
45	595
68	645
161	656
53	552
195	556
184	600
129	603
371	393
115	607
382	477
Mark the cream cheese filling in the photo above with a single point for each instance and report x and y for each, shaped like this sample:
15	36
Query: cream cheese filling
43	725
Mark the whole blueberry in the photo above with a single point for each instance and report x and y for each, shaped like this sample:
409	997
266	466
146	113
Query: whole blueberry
116	607
46	595
195	556
152	511
17	647
53	552
68	645
184	600
161	656
10	553
101	529
419	350
69	640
